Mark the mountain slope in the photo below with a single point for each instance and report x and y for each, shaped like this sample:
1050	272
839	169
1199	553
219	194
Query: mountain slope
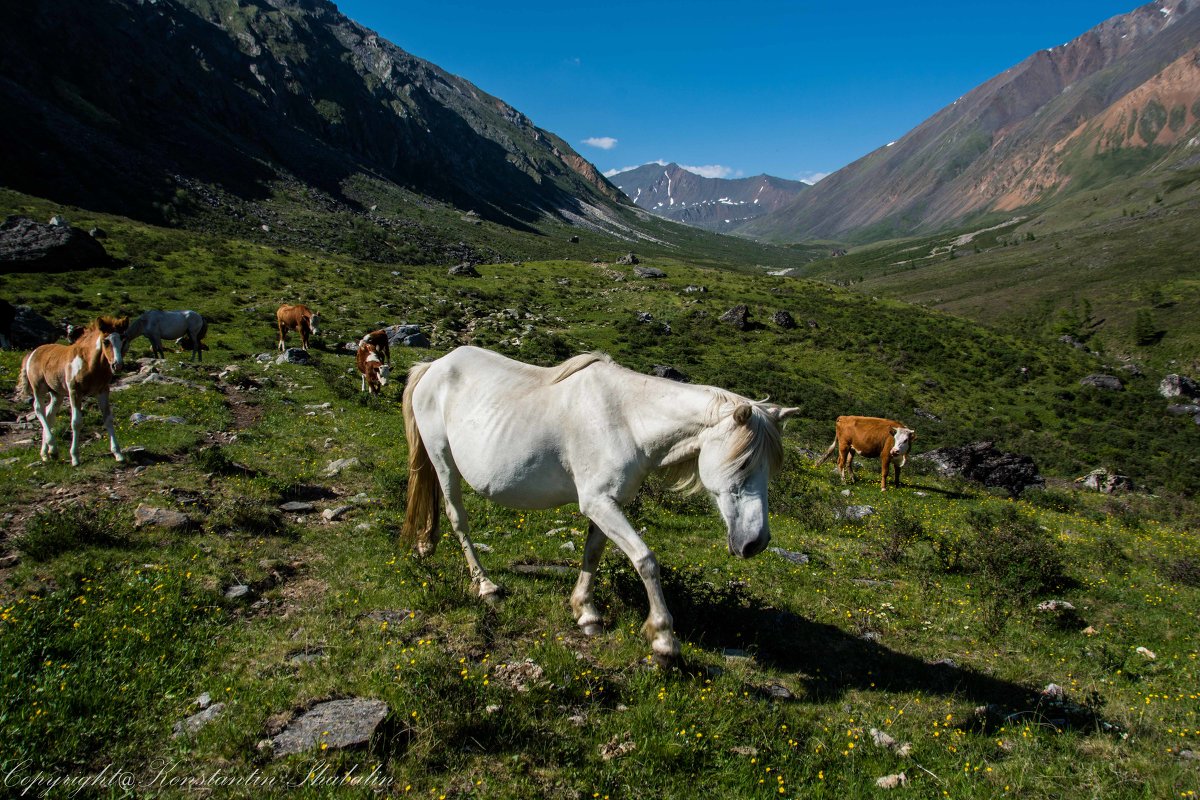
718	204
1059	121
119	105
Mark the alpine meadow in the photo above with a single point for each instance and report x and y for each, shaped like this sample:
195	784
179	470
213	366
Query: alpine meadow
230	608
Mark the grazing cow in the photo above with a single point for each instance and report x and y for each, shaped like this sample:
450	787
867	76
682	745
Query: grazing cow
8	315
76	370
378	340
375	373
299	318
873	437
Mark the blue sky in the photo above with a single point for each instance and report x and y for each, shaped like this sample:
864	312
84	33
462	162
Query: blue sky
794	89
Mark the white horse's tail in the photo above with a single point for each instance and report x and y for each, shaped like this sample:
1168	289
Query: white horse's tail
828	452
423	513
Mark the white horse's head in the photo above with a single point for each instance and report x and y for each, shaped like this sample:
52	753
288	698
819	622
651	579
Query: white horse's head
737	457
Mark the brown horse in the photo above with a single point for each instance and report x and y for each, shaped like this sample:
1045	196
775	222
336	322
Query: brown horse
78	371
298	318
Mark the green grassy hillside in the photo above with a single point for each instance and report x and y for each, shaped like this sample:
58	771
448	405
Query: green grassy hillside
919	622
1126	249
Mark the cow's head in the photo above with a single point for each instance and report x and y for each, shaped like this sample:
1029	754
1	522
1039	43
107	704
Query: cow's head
385	372
902	439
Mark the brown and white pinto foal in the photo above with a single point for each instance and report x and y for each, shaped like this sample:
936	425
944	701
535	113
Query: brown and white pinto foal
78	371
375	373
298	318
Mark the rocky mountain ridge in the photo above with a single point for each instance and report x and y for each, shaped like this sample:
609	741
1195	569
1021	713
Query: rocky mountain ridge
717	204
1123	97
130	105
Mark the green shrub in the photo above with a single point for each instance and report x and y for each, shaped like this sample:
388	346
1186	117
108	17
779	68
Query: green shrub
246	515
55	531
901	530
1014	560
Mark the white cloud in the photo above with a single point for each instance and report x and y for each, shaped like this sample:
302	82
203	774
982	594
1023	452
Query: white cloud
603	142
812	177
713	171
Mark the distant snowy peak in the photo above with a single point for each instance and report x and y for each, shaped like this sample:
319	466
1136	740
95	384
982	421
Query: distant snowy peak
719	204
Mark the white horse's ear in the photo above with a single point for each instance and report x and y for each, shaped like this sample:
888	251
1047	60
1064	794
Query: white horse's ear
741	414
780	413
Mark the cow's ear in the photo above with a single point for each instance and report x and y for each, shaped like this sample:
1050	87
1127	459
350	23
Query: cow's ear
893	430
741	414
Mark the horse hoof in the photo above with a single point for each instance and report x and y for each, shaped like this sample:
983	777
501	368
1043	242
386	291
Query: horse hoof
592	629
489	592
120	457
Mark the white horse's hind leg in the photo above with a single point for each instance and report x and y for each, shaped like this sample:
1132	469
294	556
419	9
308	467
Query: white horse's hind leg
45	412
457	513
658	626
586	615
106	410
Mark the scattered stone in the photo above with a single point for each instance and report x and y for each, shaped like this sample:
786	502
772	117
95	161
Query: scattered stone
1189	755
293	355
297	507
1054	692
1149	654
306	656
925	414
578	720
735	654
669	372
892	781
336	467
138	418
28	246
237	592
1101	480
616	748
335	724
192	725
784	320
1090	631
1066	338
628	260
649	272
738	317
264	358
392	616
1180	409
165	518
777	691
464	270
203	701
949	663
695	289
574	239
334	514
567	546
1055	606
854	513
1174	385
795	558
518	676
1109	383
983	463
10	560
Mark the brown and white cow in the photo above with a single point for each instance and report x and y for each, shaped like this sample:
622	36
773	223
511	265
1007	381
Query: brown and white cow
374	372
378	340
885	439
298	318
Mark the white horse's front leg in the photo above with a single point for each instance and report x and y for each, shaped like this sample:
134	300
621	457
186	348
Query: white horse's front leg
76	426
457	513
582	603
106	410
658	627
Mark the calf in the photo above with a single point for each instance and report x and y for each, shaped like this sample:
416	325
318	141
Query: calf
298	318
873	437
374	372
378	340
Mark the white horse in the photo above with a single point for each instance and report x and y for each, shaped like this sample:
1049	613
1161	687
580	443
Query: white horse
159	325
587	432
